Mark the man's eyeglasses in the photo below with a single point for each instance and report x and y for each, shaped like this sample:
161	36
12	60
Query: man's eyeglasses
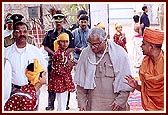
21	31
97	44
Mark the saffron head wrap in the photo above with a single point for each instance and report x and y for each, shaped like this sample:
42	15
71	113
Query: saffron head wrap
154	36
62	36
33	77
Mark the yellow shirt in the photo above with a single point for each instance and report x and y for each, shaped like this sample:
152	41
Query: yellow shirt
152	83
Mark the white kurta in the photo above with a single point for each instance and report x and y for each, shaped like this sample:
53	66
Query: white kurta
101	97
7	80
19	60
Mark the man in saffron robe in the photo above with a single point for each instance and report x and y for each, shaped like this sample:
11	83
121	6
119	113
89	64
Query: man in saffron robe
151	71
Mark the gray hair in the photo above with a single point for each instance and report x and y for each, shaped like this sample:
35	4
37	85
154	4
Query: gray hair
97	32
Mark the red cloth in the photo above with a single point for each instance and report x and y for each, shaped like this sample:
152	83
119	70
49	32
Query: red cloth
20	102
120	42
60	78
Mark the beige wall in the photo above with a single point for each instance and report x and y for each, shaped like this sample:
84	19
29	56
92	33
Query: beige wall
23	9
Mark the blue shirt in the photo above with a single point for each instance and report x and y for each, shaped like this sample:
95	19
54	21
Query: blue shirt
80	40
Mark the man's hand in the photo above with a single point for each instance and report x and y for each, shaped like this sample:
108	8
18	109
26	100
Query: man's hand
108	36
131	81
82	109
70	50
142	25
115	107
71	63
78	50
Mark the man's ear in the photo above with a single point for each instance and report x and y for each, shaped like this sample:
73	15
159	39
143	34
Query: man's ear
151	47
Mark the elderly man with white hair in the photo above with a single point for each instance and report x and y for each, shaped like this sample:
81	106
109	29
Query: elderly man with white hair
100	73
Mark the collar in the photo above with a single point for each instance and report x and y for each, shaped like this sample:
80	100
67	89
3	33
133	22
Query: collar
86	30
107	50
16	48
8	30
63	30
145	13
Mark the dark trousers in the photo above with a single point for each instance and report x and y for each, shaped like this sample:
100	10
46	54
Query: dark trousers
51	98
51	94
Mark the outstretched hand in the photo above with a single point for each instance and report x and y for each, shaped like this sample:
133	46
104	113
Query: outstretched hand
131	81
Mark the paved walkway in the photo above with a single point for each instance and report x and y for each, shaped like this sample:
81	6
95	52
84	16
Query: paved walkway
134	98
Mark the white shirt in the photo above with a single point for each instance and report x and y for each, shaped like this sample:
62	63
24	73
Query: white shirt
7	80
20	59
7	32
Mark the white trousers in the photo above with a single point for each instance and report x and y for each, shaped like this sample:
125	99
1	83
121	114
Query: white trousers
62	101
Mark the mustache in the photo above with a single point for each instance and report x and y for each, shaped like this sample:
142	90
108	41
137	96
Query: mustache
22	36
83	25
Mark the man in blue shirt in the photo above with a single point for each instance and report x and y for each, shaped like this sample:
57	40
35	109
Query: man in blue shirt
76	25
80	36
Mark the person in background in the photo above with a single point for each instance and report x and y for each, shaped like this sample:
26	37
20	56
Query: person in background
137	40
9	26
60	77
161	15
144	20
100	73
151	71
48	44
119	37
10	39
20	54
24	99
80	36
101	25
137	26
76	25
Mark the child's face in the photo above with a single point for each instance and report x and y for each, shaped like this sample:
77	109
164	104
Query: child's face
42	79
63	44
119	28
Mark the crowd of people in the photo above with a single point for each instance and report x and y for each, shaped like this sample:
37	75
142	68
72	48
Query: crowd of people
102	72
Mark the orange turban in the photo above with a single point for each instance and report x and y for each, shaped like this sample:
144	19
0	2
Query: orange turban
33	77
154	36
62	36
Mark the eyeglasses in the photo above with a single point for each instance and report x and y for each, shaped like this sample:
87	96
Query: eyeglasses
96	44
21	31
